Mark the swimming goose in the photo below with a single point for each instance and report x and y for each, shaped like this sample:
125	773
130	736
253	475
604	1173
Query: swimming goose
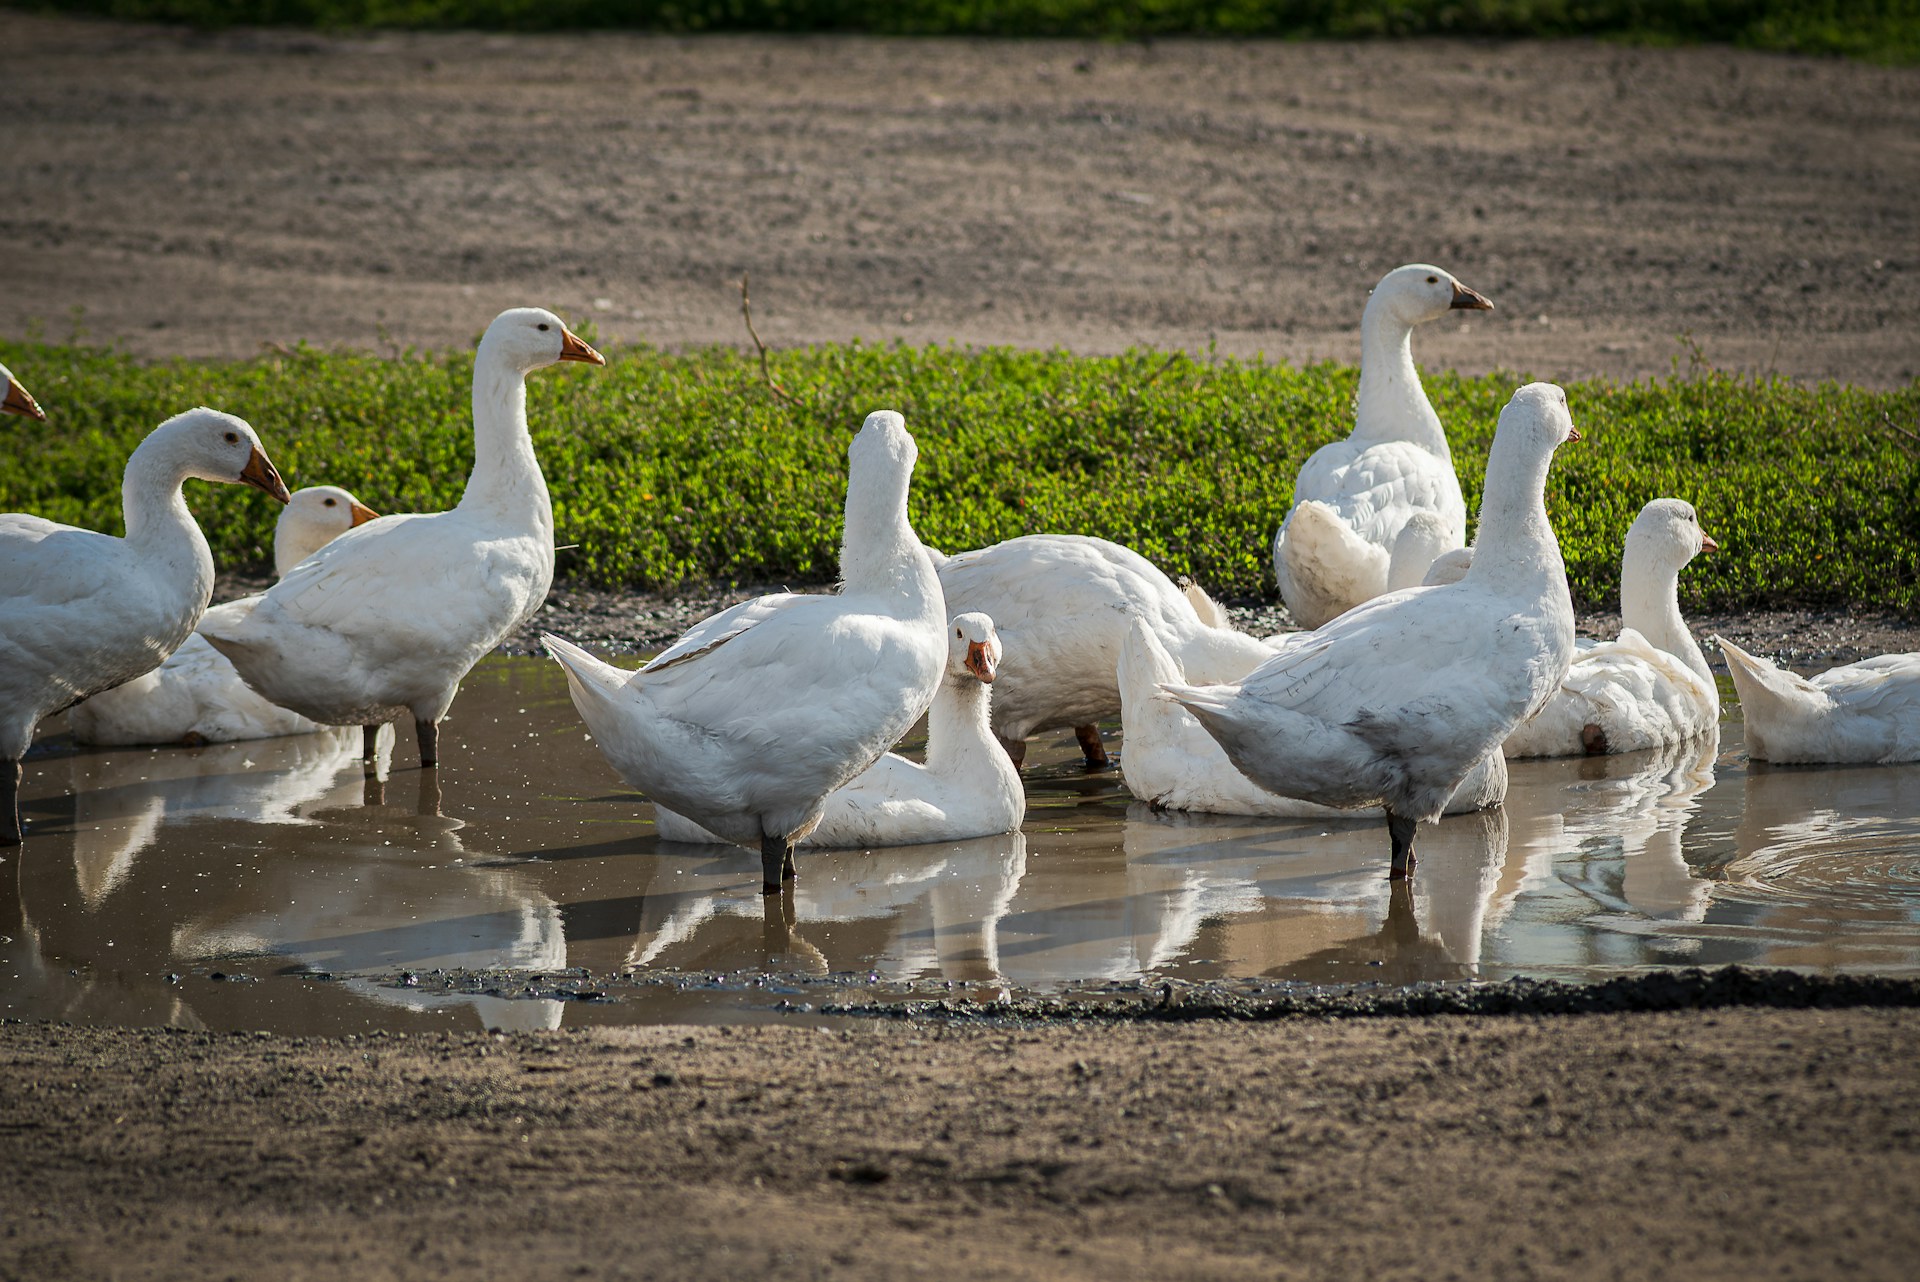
1172	763
1394	702
15	399
1352	497
746	724
389	617
1061	603
80	612
1867	712
967	788
1651	685
196	697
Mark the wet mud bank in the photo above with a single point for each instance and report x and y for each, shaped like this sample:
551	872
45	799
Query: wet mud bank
1728	1143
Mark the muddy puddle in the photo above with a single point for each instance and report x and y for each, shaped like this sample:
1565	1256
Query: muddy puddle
269	885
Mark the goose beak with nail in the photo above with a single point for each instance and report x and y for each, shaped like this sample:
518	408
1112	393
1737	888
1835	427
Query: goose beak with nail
16	399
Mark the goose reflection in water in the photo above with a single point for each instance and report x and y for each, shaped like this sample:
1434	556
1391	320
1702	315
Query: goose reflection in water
1209	896
914	911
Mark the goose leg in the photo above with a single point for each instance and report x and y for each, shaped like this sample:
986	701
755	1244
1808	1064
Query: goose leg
776	863
1092	747
1016	749
428	733
369	744
10	833
1401	829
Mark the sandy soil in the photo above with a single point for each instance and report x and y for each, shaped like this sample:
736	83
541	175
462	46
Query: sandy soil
1733	1144
205	194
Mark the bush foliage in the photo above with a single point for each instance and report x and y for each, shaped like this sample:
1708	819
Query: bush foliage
675	468
1882	29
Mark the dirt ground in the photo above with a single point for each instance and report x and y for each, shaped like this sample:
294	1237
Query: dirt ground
1735	1144
205	194
192	194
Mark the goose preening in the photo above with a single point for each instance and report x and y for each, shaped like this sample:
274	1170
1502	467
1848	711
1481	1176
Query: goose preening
1061	603
1651	685
15	399
196	697
389	617
1867	712
1169	761
1353	497
1395	702
747	723
81	612
967	788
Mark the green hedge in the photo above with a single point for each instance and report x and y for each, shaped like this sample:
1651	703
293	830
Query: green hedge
675	468
1881	29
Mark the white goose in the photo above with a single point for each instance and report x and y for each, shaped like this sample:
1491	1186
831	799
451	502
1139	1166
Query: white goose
968	787
1171	762
196	697
1651	685
389	617
1352	497
751	719
15	399
1394	702
1061	603
1862	713
80	612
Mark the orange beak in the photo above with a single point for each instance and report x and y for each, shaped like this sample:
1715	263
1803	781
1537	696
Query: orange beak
18	401
981	661
1707	544
362	513
572	348
260	475
1573	434
1468	300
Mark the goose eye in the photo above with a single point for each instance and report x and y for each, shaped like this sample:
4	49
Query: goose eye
332	502
544	327
1433	280
233	438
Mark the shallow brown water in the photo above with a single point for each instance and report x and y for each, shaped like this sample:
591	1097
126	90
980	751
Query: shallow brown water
268	885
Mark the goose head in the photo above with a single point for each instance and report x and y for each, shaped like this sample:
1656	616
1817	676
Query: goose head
973	648
214	446
1538	413
1420	292
1666	535
15	399
883	441
531	338
313	518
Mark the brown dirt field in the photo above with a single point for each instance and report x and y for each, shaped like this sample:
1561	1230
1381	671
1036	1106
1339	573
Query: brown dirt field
203	194
1736	1144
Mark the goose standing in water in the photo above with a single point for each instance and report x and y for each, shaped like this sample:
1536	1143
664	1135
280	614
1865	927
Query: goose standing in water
1395	702
1061	603
1862	713
967	788
748	722
387	619
1353	497
1651	685
15	399
81	612
196	697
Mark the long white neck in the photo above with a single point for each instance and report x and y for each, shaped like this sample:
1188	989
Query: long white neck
959	730
1514	544
1392	405
506	481
160	528
879	552
1650	605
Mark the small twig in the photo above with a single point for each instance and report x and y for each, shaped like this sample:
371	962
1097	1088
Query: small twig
1886	421
1154	377
746	313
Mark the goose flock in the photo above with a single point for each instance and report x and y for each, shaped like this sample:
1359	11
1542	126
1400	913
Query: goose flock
1424	663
